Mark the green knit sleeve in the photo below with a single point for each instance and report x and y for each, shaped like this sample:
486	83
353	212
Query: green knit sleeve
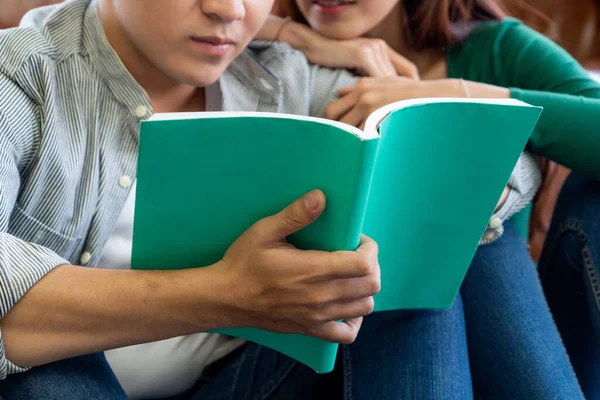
541	73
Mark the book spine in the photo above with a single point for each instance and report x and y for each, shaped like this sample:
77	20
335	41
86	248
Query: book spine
361	192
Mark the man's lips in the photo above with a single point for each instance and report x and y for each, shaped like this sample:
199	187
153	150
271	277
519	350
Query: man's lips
213	45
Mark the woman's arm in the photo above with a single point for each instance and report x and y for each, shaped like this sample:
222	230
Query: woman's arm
541	73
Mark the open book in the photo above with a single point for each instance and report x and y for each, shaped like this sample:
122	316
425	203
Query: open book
422	179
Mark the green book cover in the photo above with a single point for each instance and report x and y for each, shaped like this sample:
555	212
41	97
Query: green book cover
422	179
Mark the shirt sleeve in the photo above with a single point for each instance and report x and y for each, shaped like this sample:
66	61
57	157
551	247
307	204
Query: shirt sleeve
324	86
524	183
22	264
541	73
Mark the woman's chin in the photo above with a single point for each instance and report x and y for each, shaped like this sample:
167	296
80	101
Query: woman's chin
343	32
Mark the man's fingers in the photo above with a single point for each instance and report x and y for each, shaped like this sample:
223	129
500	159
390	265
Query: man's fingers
350	310
368	248
343	265
293	218
339	332
330	266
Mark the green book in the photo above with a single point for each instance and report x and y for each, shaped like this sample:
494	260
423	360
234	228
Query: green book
422	179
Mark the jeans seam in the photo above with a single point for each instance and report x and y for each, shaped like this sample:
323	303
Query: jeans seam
269	387
347	371
237	373
574	226
591	273
586	254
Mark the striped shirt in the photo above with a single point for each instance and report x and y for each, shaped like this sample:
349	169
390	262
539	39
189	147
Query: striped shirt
69	126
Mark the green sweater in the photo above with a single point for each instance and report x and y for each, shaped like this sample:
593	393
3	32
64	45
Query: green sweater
540	73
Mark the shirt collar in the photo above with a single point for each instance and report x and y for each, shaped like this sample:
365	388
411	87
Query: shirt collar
246	68
110	67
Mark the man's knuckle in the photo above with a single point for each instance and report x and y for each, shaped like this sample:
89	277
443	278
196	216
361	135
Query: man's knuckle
365	267
319	317
347	338
375	286
369	306
317	300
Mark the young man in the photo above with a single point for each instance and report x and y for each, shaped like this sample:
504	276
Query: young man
75	81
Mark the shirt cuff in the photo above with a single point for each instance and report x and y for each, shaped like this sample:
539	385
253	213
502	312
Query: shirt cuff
22	265
524	184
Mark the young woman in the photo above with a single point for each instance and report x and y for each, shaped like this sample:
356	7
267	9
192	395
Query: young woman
457	48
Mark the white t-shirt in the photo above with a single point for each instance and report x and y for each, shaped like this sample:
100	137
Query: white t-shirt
168	367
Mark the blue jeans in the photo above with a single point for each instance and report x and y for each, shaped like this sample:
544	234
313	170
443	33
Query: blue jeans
397	355
569	269
514	346
85	377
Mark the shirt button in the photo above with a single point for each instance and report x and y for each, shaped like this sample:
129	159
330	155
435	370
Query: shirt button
85	258
124	181
141	111
266	84
489	235
495	223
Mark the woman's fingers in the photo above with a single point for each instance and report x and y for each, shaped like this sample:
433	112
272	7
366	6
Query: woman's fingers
340	107
403	66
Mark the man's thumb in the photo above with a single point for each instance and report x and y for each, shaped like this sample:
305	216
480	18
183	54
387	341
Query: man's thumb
297	215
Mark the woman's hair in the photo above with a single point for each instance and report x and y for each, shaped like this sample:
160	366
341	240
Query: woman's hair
439	23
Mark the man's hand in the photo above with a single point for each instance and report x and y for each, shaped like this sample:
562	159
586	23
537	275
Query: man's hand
262	282
274	286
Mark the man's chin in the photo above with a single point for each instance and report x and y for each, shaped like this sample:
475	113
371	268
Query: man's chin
204	73
203	78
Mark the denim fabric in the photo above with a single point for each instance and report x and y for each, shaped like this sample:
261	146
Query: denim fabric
86	377
569	272
514	345
498	339
397	355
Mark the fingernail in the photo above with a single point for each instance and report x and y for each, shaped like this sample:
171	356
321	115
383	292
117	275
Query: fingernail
311	202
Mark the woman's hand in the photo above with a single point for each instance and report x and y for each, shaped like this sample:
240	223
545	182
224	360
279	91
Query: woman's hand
360	100
368	57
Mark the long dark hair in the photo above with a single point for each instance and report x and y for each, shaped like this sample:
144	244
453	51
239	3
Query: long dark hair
440	23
